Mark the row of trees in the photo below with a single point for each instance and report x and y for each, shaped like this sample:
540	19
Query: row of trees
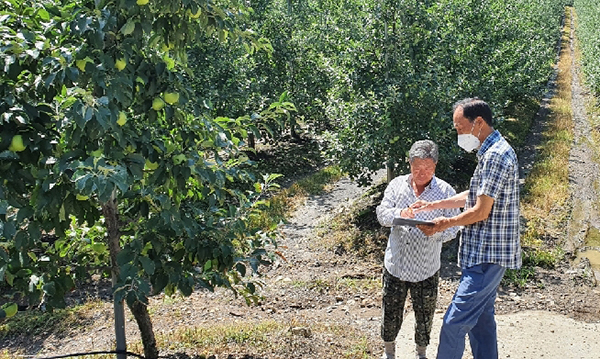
124	122
373	76
588	23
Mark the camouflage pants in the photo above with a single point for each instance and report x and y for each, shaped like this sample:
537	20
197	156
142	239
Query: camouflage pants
423	296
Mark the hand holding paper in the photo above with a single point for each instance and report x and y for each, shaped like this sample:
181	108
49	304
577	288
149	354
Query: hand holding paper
400	221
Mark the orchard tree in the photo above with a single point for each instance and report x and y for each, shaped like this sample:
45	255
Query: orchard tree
414	59
109	165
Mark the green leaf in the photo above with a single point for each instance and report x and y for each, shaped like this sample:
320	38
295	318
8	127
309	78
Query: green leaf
99	248
24	213
49	288
147	264
124	256
241	268
129	26
159	282
9	278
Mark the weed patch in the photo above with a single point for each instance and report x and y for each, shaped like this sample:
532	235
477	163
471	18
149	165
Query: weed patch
546	191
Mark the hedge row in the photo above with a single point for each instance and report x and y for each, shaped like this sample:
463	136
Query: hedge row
588	33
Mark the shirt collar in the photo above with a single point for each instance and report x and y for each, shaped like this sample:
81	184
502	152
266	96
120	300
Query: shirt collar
488	142
432	184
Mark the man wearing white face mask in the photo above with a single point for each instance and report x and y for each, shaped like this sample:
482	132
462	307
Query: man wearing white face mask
490	242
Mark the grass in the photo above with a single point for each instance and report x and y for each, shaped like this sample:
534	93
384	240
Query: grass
518	277
267	338
356	229
219	337
59	321
283	203
360	284
344	284
546	193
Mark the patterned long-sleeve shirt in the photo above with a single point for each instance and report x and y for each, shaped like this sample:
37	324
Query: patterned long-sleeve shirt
410	255
496	239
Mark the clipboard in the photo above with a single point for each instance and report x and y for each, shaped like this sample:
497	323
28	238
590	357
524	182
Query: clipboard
399	221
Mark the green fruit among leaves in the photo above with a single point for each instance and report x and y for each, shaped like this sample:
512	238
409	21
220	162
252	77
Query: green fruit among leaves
177	160
196	15
142	2
151	165
122	119
80	197
120	64
81	65
16	144
96	153
10	309
158	104
171	97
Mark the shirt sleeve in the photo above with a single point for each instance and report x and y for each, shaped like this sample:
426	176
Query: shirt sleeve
451	232
388	209
494	172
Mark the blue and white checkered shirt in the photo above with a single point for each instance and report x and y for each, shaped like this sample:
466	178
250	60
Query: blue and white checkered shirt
410	255
496	239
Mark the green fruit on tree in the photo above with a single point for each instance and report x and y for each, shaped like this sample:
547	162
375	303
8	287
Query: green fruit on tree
178	159
166	47
171	97
122	119
142	2
81	64
151	165
158	104
194	16
10	309
16	144
96	153
120	64
81	197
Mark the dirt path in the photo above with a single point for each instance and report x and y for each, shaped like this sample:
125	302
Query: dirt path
583	173
525	335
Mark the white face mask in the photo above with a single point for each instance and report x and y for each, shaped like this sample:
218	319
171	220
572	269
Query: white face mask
468	141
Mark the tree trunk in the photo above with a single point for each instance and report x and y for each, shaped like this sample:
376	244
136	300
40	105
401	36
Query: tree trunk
293	130
139	309
251	141
142	317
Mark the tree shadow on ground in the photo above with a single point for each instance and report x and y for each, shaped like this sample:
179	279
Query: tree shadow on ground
293	158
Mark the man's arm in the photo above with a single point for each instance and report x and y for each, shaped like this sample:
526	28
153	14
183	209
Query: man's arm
479	212
456	201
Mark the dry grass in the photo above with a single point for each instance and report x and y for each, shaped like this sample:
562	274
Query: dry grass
547	186
58	321
356	229
282	204
268	338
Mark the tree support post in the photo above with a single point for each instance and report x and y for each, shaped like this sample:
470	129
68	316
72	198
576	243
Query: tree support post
390	170
109	210
121	343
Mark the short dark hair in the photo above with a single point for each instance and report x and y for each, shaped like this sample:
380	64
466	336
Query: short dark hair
473	108
423	149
